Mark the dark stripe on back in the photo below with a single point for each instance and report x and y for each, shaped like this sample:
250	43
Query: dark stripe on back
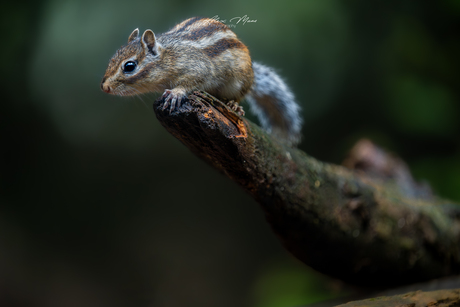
222	45
205	31
188	23
208	28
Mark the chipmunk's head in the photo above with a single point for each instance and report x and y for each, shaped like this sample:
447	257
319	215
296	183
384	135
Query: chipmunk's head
132	70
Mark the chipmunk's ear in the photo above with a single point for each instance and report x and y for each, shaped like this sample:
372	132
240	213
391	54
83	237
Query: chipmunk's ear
133	35
150	42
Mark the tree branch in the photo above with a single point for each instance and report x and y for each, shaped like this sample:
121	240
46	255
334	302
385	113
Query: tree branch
441	298
361	228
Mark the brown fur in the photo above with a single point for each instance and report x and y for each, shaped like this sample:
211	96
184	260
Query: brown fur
199	53
203	54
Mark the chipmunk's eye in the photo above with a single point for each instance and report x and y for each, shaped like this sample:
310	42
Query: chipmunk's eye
129	66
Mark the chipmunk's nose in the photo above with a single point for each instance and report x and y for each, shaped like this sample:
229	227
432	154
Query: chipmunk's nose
105	87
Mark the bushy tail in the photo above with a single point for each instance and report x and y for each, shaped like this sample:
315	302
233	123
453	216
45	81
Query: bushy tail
274	104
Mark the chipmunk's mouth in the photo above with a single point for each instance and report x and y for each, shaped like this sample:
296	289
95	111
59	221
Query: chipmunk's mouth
118	89
122	91
105	87
114	91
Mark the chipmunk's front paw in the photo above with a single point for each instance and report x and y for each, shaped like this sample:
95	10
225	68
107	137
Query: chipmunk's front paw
232	104
173	98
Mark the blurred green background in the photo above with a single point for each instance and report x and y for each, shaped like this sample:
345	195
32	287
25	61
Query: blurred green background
100	206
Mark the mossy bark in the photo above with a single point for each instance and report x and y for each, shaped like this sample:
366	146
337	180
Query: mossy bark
359	228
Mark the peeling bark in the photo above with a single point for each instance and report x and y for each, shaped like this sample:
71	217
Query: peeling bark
354	225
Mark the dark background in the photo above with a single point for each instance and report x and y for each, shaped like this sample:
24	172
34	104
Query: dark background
99	206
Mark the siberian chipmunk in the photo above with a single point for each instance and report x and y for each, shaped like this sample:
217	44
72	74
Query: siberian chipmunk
203	54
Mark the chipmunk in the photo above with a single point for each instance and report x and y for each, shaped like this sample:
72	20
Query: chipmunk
203	54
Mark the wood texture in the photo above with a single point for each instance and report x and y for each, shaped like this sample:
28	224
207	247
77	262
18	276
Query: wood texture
355	225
